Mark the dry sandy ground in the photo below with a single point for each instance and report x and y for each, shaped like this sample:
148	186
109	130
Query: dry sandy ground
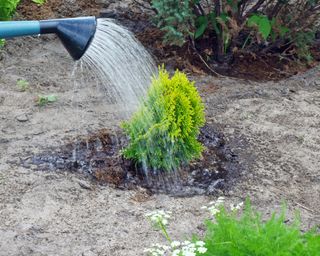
51	213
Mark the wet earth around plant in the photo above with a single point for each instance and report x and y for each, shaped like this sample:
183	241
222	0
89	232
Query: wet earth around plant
266	135
99	156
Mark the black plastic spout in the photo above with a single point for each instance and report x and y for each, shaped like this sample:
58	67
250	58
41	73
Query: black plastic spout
76	34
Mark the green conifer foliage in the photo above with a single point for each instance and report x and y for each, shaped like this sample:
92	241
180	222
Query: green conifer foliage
163	132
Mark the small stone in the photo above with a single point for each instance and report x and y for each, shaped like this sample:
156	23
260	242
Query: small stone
285	91
85	185
259	92
38	132
88	253
22	118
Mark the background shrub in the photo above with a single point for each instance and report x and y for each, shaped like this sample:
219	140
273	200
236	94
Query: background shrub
281	26
163	132
175	18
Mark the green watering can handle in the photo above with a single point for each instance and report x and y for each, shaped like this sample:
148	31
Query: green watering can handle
9	29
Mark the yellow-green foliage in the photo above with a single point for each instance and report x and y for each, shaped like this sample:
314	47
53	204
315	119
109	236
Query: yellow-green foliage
163	132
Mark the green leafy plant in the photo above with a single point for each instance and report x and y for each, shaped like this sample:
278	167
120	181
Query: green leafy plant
159	220
263	26
8	8
39	2
303	40
248	234
163	132
2	43
238	230
262	23
43	100
22	85
174	17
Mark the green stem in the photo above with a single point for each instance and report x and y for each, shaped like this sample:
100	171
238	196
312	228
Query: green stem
164	231
245	42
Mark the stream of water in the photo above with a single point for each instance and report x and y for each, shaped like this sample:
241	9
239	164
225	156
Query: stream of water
120	64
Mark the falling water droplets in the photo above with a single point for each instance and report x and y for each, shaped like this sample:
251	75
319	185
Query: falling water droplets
120	63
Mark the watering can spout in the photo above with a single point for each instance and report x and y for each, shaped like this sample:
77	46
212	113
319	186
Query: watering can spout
76	34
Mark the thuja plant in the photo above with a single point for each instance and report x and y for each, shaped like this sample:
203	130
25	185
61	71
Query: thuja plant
163	132
267	26
239	230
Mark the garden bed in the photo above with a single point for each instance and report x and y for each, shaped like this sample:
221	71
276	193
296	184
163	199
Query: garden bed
271	128
99	156
244	65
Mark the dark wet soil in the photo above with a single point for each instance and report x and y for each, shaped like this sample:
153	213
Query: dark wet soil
99	156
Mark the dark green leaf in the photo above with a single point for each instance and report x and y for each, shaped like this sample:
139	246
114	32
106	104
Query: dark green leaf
213	19
264	27
283	31
202	24
253	20
263	24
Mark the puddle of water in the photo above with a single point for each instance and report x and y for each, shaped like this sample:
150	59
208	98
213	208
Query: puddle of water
99	156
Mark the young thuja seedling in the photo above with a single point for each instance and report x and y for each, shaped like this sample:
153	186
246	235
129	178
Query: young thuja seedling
22	85
163	132
43	100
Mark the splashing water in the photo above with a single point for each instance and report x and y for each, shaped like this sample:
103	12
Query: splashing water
120	63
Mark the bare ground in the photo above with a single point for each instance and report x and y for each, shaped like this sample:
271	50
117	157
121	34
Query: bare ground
273	127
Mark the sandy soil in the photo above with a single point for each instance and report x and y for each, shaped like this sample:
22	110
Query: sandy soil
52	213
273	128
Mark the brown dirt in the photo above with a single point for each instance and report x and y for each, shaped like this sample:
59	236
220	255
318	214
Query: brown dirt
244	65
99	155
63	213
57	9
